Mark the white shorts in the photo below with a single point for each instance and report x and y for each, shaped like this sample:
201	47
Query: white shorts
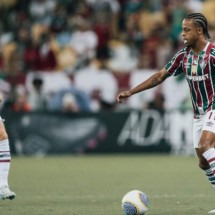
204	122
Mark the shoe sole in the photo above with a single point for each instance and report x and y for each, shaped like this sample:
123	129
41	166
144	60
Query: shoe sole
11	197
8	197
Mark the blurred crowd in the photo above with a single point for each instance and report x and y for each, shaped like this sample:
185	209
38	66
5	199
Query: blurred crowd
72	56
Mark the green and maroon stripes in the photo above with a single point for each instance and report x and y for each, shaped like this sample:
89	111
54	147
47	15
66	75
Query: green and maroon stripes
174	66
209	155
212	65
212	164
5	156
201	80
210	175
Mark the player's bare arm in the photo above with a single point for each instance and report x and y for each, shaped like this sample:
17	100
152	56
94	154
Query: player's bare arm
1	97
151	82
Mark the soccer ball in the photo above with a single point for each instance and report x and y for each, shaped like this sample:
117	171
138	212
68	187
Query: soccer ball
135	202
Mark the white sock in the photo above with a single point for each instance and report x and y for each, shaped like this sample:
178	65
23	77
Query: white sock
210	157
5	158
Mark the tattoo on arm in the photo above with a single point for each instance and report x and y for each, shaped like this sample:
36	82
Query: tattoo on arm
150	83
157	79
154	82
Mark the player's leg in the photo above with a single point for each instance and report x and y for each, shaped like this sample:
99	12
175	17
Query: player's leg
198	125
206	149
206	144
204	165
5	158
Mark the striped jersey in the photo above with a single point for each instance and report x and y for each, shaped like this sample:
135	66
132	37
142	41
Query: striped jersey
200	74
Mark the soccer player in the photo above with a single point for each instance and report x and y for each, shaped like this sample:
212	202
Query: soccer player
197	62
5	157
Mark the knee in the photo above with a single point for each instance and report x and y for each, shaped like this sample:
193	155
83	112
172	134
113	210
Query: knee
205	144
3	135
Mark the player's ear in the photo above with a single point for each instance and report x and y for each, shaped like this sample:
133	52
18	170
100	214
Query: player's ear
200	30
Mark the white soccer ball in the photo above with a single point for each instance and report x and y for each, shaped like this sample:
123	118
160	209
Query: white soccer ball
135	202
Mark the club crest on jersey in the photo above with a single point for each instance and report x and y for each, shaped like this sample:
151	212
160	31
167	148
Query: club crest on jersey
203	64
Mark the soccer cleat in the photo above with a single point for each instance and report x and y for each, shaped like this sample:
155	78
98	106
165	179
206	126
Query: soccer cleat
6	193
212	211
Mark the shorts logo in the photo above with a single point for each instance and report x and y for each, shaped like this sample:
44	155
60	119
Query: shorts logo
209	124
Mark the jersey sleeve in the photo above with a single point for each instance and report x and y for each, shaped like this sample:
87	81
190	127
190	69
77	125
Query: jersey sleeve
213	55
175	65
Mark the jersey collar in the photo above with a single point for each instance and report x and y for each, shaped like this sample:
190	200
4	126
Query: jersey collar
203	51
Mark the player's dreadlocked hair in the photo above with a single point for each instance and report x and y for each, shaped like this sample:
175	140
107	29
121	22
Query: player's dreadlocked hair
201	21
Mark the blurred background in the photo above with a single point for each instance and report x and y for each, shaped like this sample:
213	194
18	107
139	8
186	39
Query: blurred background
62	63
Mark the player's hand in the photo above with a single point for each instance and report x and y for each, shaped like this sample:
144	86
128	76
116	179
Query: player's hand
123	95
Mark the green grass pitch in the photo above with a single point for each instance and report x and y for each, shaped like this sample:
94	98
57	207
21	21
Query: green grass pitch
95	185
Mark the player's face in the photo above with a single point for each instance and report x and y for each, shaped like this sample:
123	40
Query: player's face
190	32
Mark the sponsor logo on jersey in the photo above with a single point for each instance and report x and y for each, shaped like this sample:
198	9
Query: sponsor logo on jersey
197	78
